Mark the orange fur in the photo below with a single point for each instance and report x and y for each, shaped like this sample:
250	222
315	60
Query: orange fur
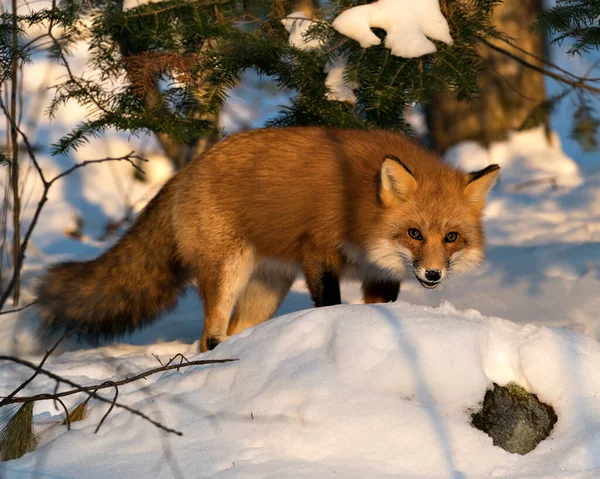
259	206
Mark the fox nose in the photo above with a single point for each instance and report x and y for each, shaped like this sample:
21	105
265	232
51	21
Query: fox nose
433	275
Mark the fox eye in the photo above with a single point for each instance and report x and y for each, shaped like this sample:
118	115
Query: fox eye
415	234
451	237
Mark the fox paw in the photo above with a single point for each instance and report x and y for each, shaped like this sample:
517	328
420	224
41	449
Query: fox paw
208	343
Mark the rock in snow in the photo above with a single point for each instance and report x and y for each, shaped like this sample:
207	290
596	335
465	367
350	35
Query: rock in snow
516	420
408	23
354	391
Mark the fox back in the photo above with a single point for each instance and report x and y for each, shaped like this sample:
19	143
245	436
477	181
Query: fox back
244	218
357	191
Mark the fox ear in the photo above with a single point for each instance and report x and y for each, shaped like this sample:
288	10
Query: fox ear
397	181
479	185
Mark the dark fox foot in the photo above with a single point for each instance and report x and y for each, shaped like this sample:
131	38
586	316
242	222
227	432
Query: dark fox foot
208	343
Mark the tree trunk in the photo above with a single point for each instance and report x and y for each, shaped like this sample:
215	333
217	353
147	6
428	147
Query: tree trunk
309	7
511	94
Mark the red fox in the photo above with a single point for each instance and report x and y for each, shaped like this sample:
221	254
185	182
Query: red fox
250	214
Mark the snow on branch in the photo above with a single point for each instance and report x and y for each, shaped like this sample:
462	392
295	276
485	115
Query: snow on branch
129	4
408	23
339	89
298	24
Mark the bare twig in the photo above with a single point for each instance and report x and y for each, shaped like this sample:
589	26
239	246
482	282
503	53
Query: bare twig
37	371
66	409
14	164
552	181
581	84
16	310
112	405
88	389
47	185
157	358
92	390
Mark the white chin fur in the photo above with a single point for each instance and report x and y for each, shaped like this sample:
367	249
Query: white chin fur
390	256
466	260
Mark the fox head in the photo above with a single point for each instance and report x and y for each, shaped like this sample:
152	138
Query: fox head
430	223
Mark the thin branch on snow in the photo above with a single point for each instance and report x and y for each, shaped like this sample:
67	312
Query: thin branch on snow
112	405
87	389
37	371
91	391
16	310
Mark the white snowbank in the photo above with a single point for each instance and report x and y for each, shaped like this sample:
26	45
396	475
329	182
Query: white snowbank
408	23
524	156
355	391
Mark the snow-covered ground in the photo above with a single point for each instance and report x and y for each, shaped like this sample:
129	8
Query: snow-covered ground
351	391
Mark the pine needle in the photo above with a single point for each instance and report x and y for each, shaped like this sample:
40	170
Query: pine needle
78	413
16	433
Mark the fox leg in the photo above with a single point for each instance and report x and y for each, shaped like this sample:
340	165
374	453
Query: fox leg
262	297
323	279
220	286
380	291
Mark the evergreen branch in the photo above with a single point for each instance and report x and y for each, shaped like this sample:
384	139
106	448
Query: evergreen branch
72	77
174	7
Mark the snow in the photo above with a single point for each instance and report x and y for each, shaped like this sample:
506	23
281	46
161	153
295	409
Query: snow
339	89
129	4
408	23
349	391
251	102
525	156
356	391
298	24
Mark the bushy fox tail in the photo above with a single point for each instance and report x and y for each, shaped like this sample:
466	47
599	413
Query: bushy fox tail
123	289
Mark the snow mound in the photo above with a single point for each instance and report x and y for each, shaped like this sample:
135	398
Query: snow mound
524	156
408	23
355	391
